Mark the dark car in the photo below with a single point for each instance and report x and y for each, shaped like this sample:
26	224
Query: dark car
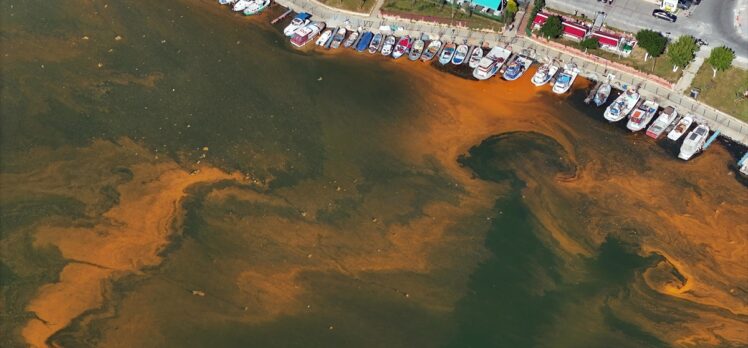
665	15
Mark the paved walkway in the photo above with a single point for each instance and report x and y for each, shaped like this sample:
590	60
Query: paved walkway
592	67
688	75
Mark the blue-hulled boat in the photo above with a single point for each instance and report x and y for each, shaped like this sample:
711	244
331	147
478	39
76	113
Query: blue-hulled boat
363	43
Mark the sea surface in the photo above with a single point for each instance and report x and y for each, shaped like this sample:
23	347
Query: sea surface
175	175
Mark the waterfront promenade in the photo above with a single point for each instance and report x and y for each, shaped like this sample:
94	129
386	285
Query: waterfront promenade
591	66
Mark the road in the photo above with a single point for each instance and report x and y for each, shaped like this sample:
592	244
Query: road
714	21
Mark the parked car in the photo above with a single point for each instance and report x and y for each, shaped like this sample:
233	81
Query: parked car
664	15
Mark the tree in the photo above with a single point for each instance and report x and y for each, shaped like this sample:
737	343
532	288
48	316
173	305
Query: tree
510	10
552	28
590	43
682	51
721	59
652	42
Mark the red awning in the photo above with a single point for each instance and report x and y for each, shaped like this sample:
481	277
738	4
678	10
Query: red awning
606	39
575	30
540	18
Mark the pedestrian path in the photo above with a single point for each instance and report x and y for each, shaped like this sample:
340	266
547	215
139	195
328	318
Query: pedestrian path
689	74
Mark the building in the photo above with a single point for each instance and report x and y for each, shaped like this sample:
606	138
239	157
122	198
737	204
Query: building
575	31
607	40
492	7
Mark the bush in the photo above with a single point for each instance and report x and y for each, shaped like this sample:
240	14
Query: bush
552	28
590	43
683	51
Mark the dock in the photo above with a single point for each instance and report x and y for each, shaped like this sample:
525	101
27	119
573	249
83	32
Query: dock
711	140
743	160
279	18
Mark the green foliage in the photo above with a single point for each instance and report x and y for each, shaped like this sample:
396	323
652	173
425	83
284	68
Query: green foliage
683	51
590	43
652	42
721	58
552	28
539	4
510	11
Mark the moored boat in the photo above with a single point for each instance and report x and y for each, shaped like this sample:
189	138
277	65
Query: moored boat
447	53
602	94
389	45
256	7
363	43
475	55
376	43
642	115
694	142
517	67
491	63
431	50
240	5
416	50
226	2
680	128
622	106
403	47
544	74
351	39
565	79
302	36
326	35
301	20
460	54
666	117
337	40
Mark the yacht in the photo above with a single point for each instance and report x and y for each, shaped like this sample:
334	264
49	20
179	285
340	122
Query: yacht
301	20
544	74
694	142
491	63
680	128
389	45
622	106
565	79
517	67
303	35
666	117
642	115
475	57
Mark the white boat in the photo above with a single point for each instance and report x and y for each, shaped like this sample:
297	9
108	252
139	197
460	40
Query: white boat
351	39
544	74
491	63
517	67
602	94
743	164
680	128
694	142
565	79
226	2
256	7
431	50
240	5
337	40
460	54
389	45
322	40
642	115
447	53
416	50
301	20
303	35
403	47
376	43
622	106
475	57
666	117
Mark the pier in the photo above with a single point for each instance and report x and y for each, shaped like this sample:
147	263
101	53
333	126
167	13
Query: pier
279	18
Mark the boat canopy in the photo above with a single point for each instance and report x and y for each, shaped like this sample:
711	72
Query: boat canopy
303	15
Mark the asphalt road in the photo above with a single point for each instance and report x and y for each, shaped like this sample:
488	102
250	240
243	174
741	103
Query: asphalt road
714	21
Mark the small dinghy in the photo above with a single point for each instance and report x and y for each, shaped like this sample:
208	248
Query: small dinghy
322	40
460	54
431	50
680	128
376	43
694	142
475	57
602	94
416	50
351	39
403	47
642	115
256	7
447	53
389	45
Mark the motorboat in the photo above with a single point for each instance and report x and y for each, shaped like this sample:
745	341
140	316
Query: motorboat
256	7
460	54
326	35
622	106
641	116
545	73
301	20
475	57
389	45
680	128
666	117
376	43
491	63
565	79
337	40
226	2
240	5
602	94
447	53
517	67
403	47
351	39
303	35
694	142
363	43
431	50
416	50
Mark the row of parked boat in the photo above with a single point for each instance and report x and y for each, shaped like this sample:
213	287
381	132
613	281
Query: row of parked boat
247	7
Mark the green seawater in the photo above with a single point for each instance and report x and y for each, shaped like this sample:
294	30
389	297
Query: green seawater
186	75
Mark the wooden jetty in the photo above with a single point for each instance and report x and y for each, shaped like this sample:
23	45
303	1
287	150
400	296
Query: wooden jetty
279	18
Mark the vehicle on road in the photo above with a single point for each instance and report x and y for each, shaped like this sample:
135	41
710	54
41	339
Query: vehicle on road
664	15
